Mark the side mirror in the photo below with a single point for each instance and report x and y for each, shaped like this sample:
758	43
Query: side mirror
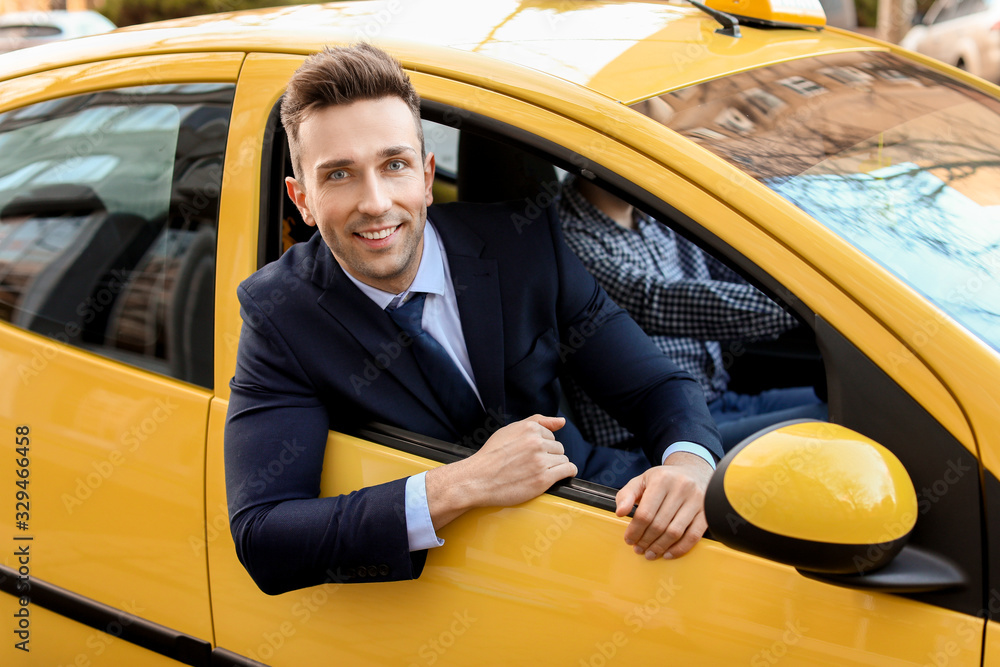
828	501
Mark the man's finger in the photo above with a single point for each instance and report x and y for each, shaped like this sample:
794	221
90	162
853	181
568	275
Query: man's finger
562	470
687	541
551	423
627	495
554	447
657	509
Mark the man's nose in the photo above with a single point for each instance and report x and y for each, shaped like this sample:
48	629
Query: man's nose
375	200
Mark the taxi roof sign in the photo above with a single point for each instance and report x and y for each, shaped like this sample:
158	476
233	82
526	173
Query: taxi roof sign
776	13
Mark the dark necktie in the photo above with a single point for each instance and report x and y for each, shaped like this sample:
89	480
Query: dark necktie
440	371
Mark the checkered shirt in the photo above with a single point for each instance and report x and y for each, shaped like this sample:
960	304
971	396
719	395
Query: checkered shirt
686	300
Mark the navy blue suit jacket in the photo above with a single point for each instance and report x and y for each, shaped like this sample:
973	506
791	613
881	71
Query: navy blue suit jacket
316	354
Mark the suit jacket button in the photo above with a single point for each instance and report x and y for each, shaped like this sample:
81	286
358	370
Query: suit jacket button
383	570
372	571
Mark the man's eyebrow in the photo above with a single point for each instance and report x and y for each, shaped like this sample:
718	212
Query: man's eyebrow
391	151
334	164
387	152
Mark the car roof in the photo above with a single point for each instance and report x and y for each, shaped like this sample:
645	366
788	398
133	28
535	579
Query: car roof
626	51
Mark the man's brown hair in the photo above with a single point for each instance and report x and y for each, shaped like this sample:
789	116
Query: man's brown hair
341	76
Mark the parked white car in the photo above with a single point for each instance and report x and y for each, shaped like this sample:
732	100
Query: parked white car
963	33
19	30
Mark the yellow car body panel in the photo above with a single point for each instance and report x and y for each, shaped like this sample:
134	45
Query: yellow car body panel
992	642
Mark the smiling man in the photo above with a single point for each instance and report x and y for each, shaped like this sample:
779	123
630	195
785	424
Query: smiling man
468	318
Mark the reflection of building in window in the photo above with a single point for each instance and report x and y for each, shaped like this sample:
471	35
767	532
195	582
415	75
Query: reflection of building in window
733	120
846	74
763	101
803	86
905	172
897	76
704	133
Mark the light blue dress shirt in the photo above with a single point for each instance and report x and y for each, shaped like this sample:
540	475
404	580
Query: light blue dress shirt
441	320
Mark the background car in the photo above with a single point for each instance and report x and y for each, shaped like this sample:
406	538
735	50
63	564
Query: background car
141	179
19	30
962	33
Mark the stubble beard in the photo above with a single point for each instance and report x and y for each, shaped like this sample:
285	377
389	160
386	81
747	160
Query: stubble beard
372	269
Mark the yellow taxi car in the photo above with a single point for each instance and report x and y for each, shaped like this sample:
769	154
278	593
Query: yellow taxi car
855	183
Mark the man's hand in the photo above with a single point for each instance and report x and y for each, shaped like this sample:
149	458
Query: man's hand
670	517
519	462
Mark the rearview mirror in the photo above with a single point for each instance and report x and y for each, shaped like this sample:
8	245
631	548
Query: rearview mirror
827	500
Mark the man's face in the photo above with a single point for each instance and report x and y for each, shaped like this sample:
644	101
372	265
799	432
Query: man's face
366	189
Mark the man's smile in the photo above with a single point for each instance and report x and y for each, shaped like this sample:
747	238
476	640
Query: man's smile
379	234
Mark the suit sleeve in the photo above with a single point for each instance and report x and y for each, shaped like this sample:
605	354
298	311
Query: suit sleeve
622	369
286	536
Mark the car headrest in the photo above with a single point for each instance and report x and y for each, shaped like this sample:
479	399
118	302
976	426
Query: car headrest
58	199
490	171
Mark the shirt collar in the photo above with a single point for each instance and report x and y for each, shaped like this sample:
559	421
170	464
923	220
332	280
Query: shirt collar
429	278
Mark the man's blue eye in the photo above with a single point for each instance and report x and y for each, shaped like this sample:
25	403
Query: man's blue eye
338	175
396	165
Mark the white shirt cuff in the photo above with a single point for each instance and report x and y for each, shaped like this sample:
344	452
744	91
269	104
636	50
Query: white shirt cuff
419	527
682	446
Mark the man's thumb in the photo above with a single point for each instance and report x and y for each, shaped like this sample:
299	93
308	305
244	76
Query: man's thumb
551	423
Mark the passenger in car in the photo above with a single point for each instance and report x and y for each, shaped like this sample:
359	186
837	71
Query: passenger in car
687	301
453	322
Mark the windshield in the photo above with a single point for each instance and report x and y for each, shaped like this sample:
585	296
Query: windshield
900	161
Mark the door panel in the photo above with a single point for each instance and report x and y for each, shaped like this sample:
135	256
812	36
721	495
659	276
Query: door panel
992	657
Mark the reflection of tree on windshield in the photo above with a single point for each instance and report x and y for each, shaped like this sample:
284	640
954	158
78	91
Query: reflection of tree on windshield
899	160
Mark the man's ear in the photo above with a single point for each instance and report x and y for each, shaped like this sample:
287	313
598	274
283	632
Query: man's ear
429	179
298	196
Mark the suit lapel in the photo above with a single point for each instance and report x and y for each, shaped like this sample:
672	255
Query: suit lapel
372	328
477	288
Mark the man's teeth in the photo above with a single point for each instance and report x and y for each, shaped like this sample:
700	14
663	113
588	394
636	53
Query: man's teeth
374	236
